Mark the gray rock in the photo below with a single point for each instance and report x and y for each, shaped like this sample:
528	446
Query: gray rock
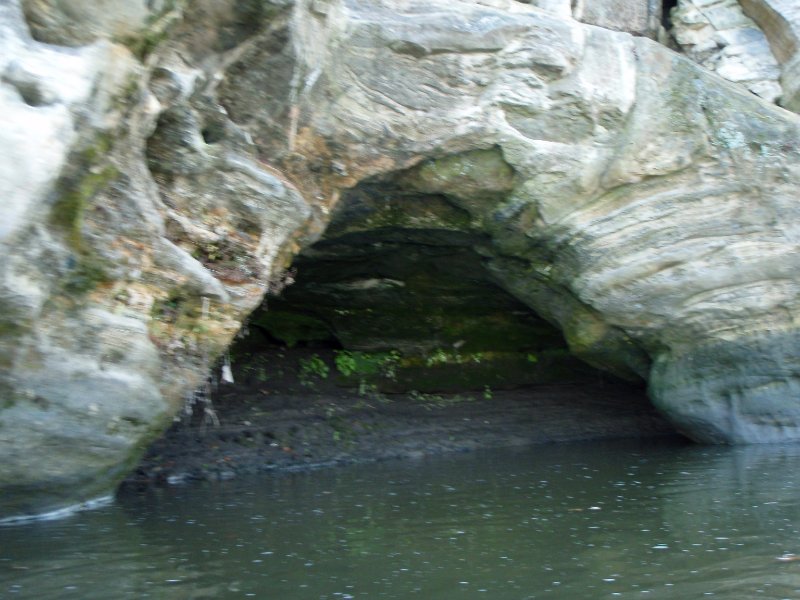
720	36
153	194
640	17
731	391
74	23
115	296
780	21
633	219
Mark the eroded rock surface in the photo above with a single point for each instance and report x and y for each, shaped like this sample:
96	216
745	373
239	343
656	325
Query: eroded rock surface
780	21
640	17
751	42
722	38
116	291
155	186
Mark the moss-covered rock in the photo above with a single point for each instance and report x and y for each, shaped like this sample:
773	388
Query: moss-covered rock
89	174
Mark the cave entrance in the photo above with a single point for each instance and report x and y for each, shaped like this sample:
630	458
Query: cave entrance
392	338
397	293
395	305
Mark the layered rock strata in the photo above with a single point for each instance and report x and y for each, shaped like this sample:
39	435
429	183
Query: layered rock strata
156	184
130	262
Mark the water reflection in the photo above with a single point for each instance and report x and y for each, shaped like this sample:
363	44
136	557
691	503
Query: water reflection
613	520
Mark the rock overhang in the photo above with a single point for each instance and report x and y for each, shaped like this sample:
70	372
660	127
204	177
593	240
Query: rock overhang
639	203
403	271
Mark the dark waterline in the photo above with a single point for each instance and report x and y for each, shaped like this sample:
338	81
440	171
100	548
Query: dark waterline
578	521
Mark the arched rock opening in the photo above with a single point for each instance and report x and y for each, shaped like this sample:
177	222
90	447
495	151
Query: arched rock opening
401	273
391	337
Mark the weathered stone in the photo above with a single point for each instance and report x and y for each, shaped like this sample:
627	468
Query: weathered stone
115	298
587	225
718	35
732	391
780	21
639	204
562	8
140	24
640	17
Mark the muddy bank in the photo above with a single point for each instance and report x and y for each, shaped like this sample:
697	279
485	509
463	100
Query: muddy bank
282	415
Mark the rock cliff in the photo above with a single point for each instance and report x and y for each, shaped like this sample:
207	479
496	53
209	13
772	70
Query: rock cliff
163	162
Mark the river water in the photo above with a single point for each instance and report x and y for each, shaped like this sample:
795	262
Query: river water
579	521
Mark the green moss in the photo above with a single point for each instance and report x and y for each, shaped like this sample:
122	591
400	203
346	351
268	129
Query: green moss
158	27
88	273
9	328
145	44
355	365
74	196
89	175
448	371
605	347
178	309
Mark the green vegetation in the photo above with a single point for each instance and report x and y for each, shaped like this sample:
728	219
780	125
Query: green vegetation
172	308
366	364
88	272
346	363
145	44
68	211
443	357
157	29
312	368
76	190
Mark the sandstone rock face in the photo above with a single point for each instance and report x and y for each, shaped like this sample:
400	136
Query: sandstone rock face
116	291
643	206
